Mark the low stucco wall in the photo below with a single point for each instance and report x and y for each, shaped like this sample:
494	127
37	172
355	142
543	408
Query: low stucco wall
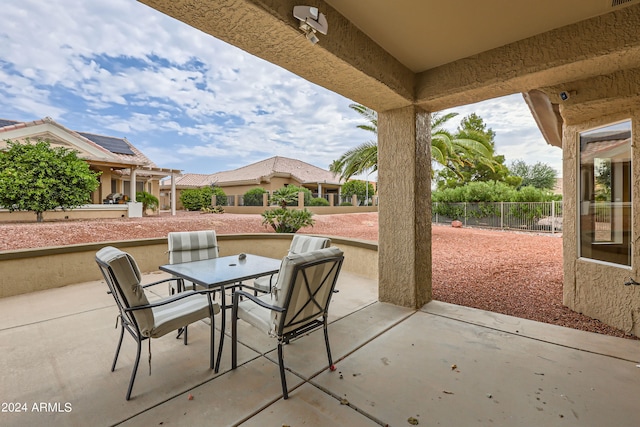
319	210
86	212
31	270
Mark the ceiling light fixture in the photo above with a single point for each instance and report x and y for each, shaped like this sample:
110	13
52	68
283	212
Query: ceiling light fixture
311	21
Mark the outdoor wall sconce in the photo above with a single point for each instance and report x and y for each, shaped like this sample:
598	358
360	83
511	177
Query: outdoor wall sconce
311	20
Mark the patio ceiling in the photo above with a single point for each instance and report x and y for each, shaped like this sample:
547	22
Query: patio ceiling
426	34
435	54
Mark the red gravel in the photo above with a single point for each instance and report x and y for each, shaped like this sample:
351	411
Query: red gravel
518	274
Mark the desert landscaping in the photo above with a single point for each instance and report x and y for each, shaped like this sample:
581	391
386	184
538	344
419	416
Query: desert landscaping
514	273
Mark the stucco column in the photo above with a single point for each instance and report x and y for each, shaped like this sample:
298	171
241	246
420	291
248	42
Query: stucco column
105	185
173	194
404	188
132	185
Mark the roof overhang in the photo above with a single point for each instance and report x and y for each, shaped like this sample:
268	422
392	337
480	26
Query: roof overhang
547	116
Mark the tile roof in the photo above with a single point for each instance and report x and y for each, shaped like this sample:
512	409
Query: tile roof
118	147
278	166
263	171
4	123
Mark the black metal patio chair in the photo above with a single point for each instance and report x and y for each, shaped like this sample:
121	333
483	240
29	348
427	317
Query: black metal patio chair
144	320
298	304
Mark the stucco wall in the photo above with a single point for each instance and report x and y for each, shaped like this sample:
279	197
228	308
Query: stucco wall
33	270
594	288
88	212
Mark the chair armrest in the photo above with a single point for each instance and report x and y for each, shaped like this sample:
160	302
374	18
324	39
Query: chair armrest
236	299
170	299
160	281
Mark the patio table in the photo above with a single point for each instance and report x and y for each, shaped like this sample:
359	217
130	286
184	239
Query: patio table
219	272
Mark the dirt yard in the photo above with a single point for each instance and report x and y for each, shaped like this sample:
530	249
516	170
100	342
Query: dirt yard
512	273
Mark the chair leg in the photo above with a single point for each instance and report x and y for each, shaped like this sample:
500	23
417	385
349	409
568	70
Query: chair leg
211	350
234	334
285	395
326	341
115	359
135	368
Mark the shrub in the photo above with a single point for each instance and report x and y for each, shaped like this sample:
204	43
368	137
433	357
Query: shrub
194	199
253	197
319	201
346	204
148	200
284	220
288	196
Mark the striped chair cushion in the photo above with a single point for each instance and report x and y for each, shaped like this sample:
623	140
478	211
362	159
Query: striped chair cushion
174	315
185	246
300	295
299	244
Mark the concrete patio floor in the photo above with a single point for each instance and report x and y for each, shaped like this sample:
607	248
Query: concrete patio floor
442	365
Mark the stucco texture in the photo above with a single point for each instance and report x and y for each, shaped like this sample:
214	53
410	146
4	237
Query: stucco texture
594	288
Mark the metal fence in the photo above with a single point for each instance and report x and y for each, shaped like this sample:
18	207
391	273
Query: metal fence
524	216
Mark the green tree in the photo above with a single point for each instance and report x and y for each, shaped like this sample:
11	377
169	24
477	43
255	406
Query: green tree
539	175
38	178
445	149
359	188
254	197
148	200
470	166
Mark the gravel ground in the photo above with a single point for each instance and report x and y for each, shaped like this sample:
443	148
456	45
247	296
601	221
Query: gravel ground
518	274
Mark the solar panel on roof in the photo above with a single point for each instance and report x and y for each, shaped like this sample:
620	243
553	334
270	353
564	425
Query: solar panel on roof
115	145
4	123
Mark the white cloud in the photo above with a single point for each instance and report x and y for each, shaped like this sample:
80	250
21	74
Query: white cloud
185	99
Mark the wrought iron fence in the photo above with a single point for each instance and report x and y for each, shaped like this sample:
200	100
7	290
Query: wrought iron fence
524	216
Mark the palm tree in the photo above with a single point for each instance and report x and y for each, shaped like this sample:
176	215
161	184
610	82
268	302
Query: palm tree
446	149
148	200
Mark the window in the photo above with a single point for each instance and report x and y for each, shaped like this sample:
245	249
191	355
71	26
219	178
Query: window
605	194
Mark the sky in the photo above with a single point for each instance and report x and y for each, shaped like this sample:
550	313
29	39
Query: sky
187	100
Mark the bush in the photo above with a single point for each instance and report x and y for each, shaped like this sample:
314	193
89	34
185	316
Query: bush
284	220
288	196
148	200
253	197
194	199
346	204
491	191
319	201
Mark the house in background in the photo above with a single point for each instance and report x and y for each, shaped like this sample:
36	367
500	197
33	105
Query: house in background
271	174
119	161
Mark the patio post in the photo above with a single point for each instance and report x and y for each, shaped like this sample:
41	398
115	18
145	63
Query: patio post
404	187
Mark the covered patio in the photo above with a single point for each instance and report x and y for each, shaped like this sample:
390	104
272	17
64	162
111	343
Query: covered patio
438	365
401	358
